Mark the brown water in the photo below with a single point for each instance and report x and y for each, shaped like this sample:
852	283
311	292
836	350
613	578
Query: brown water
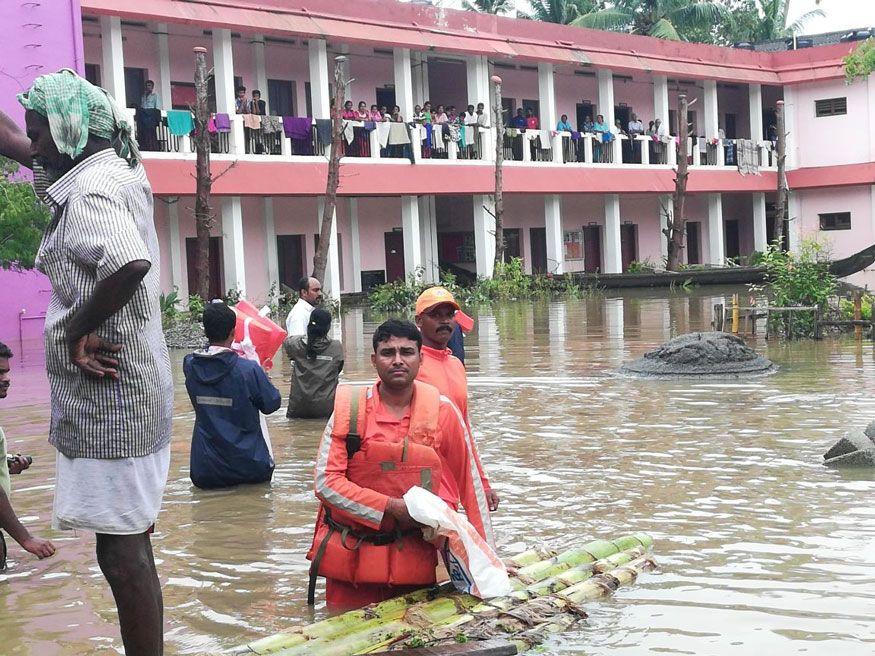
762	549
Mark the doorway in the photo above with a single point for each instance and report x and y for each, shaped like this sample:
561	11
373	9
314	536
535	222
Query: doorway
280	93
290	257
135	84
385	98
538	239
624	113
592	248
216	284
511	243
628	244
731	238
694	231
394	242
584	110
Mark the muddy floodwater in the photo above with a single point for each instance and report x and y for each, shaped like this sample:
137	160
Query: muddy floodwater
762	550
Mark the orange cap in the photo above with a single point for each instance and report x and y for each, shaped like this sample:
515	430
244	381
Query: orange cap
434	296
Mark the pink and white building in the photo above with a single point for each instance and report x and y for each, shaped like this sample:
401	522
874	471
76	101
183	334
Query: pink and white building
568	206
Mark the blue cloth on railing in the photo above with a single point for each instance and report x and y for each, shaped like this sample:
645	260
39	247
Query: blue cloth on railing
148	119
323	130
179	122
297	127
607	137
575	136
369	126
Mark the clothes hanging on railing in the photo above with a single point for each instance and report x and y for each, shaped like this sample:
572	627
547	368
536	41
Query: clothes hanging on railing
383	133
252	121
437	135
179	122
398	135
297	127
273	124
323	131
223	123
348	132
748	157
545	137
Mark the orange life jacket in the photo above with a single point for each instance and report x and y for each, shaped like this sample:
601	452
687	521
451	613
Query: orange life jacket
347	550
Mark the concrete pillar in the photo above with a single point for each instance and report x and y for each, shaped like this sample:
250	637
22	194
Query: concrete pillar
794	225
613	258
484	235
162	84
178	269
433	236
547	97
716	249
477	68
428	239
355	244
660	98
273	267
553	225
759	222
712	117
419	64
319	80
232	244
755	109
223	64
606	95
331	284
113	72
403	82
791	109
412	242
259	68
665	205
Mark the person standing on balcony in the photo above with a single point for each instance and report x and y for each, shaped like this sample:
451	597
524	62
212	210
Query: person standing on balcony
600	129
470	116
518	121
148	118
309	296
241	102
108	366
531	120
427	114
635	128
376	115
257	105
149	99
440	116
396	115
482	116
563	125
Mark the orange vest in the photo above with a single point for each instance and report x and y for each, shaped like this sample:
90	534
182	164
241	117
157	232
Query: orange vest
345	549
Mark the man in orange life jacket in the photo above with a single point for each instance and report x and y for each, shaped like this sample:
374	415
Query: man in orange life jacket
435	316
381	441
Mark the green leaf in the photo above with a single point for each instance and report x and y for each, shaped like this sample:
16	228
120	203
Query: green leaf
23	218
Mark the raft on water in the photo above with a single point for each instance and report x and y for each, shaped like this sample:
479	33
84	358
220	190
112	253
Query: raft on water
549	588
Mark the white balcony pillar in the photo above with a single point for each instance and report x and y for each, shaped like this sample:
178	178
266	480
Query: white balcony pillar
755	109
553	230
412	241
477	68
113	73
794	221
484	235
716	249
273	267
178	270
232	244
433	236
547	96
331	284
613	246
260	68
163	82
403	82
319	82
712	117
428	239
665	209
791	148
355	245
759	222
419	64
223	65
606	95
660	98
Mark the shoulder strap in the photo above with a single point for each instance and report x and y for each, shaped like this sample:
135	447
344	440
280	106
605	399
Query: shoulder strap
353	438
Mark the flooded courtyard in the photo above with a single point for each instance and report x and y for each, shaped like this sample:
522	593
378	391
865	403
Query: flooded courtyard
761	548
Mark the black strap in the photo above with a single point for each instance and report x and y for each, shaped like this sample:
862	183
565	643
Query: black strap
353	439
314	566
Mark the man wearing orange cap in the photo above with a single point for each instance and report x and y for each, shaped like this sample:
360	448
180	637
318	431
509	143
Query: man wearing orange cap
435	317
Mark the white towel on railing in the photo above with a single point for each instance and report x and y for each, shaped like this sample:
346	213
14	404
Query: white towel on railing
383	133
544	138
347	132
398	134
747	156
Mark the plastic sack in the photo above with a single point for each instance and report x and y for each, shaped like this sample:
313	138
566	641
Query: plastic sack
255	332
472	564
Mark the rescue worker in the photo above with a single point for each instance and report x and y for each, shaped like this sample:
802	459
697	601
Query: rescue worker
435	317
381	441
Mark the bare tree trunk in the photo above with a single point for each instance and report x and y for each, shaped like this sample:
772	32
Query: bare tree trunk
781	204
498	119
676	222
320	259
203	214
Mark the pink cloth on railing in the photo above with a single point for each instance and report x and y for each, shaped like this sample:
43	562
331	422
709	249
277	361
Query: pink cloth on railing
211	125
223	123
297	127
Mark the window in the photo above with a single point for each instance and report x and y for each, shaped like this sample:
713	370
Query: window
830	107
835	221
573	241
92	74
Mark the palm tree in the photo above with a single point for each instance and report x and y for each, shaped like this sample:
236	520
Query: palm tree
665	19
489	6
773	20
564	12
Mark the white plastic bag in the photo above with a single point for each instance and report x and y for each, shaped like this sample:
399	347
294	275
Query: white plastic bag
472	564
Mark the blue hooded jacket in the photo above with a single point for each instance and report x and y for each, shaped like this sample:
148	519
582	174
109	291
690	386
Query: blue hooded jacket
227	445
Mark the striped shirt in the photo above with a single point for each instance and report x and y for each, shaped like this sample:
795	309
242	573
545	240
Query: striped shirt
102	220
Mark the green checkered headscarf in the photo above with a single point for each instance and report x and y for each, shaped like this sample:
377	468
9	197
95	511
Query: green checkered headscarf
76	108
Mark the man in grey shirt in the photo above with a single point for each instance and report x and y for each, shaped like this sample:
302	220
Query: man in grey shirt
108	367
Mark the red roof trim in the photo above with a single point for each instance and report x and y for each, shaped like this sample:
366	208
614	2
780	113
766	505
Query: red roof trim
843	175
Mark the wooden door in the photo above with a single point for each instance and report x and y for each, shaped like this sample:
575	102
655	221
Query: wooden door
217	285
628	244
592	249
538	239
394	242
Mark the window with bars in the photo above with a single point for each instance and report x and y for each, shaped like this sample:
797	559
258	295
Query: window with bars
831	107
835	221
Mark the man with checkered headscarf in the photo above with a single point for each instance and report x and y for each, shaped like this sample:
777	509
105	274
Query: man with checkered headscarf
107	363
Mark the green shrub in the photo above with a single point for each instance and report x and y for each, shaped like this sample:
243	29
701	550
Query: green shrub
23	218
846	307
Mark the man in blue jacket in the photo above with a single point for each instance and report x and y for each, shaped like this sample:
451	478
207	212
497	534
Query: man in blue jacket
228	446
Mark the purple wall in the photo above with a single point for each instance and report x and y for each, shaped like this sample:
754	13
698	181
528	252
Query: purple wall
37	38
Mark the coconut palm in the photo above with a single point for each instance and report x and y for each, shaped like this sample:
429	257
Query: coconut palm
770	21
489	6
564	12
665	19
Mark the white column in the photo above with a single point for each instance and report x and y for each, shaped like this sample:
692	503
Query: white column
665	205
613	259
403	82
113	73
794	225
606	95
660	98
232	244
355	245
319	83
547	96
412	241
755	110
716	250
759	222
163	81
712	119
433	236
791	108
273	267
331	284
477	68
419	74
484	235
223	65
178	271
870	82
260	69
428	239
553	225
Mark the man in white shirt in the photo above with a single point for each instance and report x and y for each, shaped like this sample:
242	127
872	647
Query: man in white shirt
310	295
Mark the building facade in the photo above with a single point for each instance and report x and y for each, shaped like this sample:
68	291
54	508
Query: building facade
573	201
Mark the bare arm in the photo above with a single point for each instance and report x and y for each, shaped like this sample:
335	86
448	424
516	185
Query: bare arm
9	522
14	143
